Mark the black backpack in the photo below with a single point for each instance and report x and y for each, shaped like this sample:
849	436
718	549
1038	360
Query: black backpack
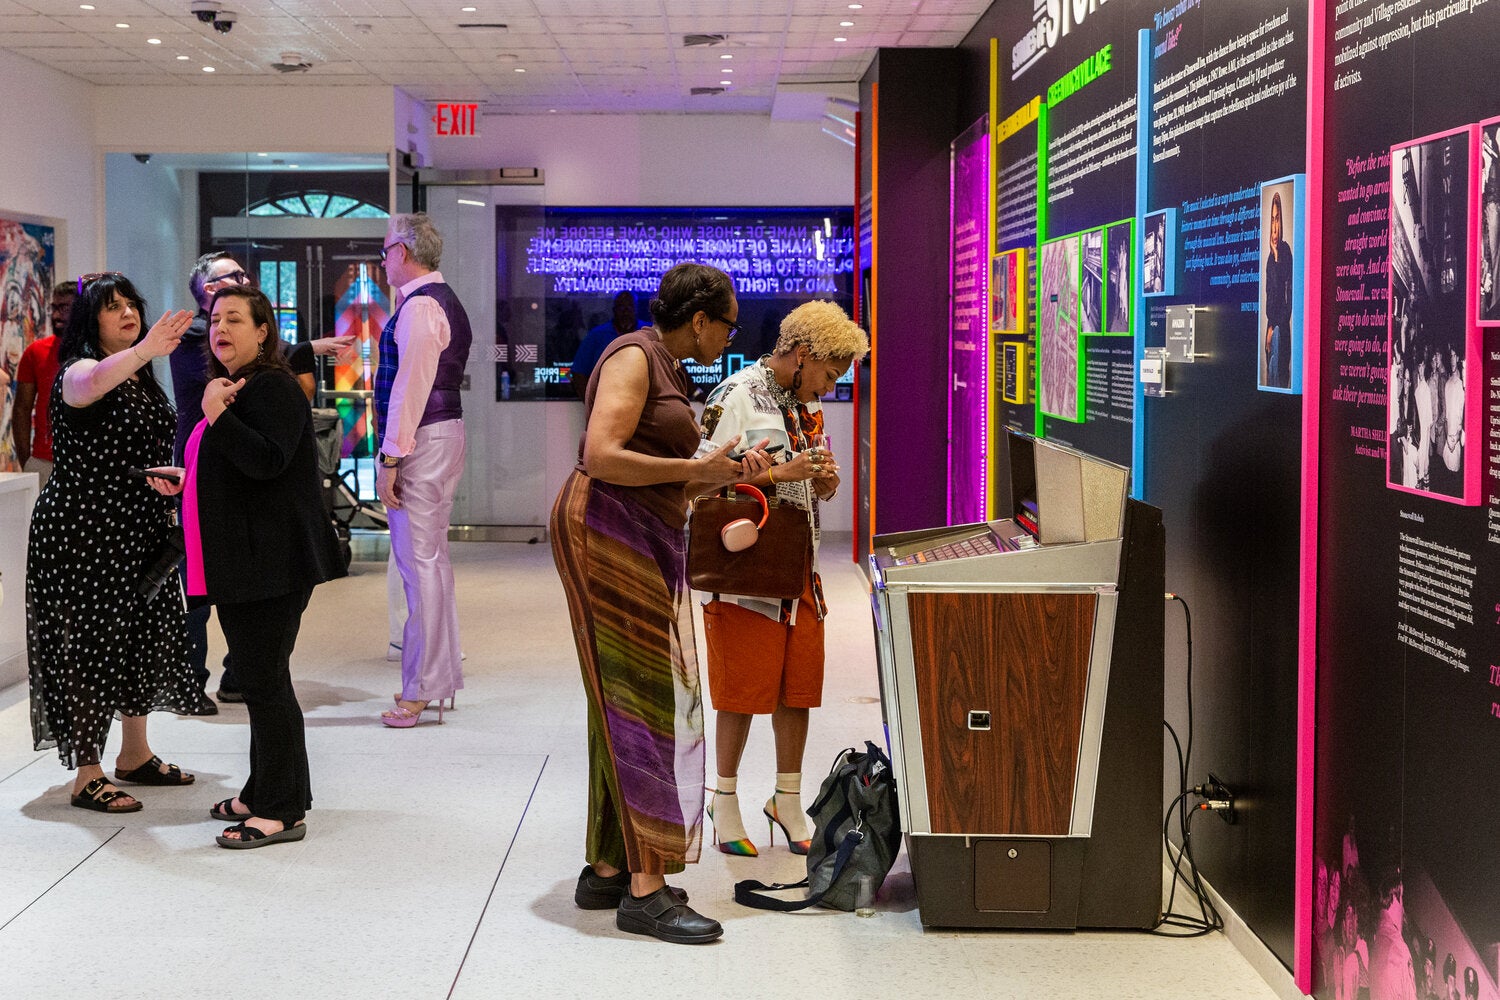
858	832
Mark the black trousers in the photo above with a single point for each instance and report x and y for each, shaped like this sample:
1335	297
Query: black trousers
261	635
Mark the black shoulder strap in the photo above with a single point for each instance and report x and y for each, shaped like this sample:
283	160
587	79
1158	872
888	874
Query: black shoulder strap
752	893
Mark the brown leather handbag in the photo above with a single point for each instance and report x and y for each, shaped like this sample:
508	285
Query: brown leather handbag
777	565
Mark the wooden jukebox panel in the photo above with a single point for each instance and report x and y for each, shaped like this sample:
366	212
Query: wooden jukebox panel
1001	679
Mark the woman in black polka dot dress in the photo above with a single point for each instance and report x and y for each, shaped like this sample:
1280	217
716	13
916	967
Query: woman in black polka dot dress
96	647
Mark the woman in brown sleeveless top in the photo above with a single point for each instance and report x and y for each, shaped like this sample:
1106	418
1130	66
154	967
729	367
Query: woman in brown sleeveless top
619	545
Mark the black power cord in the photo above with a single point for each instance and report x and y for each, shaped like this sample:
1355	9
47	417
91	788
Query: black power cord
1184	867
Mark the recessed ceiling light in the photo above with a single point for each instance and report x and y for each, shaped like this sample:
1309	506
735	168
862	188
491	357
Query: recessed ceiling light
153	41
551	111
726	83
726	56
726	69
262	154
85	6
182	58
468	10
856	6
840	38
520	69
293	166
846	24
208	69
121	24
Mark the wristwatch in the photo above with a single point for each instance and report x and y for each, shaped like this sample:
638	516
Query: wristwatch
389	461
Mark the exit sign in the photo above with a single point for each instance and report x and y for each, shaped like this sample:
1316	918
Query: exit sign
456	119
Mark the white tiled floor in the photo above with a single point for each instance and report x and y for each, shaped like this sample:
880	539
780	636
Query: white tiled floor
440	861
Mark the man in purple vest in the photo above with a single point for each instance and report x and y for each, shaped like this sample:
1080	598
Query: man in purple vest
419	422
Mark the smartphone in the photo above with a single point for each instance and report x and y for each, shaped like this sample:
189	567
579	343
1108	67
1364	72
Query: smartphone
170	477
736	456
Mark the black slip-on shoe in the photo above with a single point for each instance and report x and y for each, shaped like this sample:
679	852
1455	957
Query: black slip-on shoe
661	916
595	892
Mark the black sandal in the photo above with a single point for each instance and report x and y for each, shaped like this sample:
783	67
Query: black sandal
150	773
250	837
95	798
224	814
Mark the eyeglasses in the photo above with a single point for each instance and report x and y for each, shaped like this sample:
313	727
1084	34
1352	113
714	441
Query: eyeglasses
734	329
387	248
84	280
238	277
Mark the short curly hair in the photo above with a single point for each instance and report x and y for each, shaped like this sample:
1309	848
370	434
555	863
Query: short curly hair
825	329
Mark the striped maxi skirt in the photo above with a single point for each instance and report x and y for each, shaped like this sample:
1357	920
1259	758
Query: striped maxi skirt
624	572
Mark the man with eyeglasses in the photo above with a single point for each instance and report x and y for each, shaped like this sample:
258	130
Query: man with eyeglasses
419	423
213	271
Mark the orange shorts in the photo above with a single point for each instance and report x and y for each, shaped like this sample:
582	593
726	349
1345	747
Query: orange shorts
755	663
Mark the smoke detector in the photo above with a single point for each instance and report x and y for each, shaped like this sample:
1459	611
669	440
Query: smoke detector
292	62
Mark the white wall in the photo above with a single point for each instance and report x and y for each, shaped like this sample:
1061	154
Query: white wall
291	117
151	230
49	172
662	159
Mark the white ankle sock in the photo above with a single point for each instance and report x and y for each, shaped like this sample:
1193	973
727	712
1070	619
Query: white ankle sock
727	823
788	805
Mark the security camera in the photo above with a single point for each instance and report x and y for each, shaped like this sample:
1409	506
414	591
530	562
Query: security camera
204	10
224	21
142	157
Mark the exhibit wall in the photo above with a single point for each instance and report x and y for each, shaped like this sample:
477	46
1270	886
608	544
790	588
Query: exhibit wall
1109	116
1408	582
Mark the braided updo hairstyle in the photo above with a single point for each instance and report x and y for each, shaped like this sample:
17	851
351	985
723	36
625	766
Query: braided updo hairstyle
685	290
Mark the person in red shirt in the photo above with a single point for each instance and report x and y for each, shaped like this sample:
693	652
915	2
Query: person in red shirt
34	377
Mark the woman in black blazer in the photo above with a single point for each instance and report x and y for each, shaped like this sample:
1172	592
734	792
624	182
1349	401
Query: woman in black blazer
258	541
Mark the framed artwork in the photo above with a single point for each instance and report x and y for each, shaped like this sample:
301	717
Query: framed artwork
1059	374
1159	253
1119	254
1091	283
1487	292
1013	372
1435	376
1008	292
1278	339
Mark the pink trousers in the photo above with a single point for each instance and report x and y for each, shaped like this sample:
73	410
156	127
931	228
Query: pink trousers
431	666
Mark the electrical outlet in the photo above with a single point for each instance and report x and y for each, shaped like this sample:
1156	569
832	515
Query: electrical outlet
1220	799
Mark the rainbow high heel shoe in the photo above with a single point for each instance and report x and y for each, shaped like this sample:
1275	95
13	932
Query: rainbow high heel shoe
741	845
773	813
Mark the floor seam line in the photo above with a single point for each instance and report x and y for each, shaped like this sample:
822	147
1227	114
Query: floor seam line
500	871
82	861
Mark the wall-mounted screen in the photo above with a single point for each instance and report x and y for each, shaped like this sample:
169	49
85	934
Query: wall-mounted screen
564	273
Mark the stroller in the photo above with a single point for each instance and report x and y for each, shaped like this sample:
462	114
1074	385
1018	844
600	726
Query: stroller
340	497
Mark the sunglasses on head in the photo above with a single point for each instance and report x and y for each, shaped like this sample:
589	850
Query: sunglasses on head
84	280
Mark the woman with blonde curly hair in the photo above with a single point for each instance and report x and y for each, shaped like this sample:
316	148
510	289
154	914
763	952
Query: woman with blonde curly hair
765	657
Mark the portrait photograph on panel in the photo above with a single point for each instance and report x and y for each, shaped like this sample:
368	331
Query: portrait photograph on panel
1057	330
1159	252
1091	283
1008	292
1488	305
1279	334
1117	288
1431	403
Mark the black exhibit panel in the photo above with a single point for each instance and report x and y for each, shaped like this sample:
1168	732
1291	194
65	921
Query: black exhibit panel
1222	115
1408	695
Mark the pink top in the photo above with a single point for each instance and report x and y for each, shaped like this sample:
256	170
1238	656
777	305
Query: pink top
193	542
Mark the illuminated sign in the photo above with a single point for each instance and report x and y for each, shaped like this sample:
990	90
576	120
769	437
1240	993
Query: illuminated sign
456	119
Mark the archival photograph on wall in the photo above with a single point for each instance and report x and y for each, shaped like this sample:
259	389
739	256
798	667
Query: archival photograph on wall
1057	330
1432	355
1117	293
1159	253
1091	284
1279	355
1008	292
